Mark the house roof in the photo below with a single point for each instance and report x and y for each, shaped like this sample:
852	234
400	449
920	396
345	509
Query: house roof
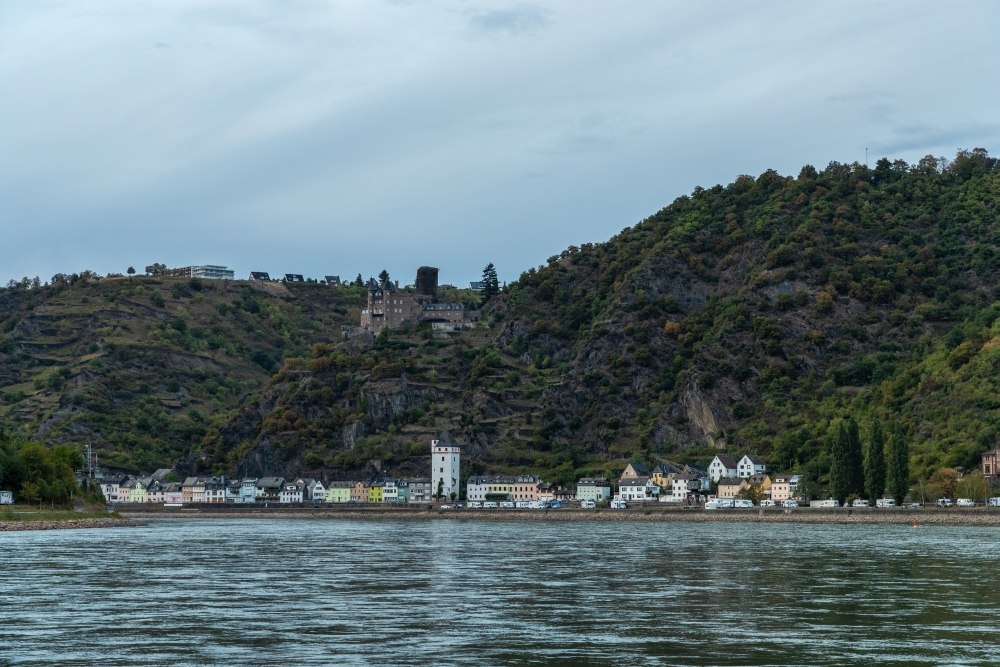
754	459
270	482
726	460
593	481
634	481
731	481
640	468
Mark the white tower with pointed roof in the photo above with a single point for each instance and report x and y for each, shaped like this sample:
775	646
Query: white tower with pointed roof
445	458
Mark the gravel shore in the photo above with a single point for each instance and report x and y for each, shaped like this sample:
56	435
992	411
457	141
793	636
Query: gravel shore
6	526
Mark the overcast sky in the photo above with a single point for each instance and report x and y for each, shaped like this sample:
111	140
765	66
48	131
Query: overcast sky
326	137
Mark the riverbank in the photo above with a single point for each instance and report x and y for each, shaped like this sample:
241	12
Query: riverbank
11	520
932	516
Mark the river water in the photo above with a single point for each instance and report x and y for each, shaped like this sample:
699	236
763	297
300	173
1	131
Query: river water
444	592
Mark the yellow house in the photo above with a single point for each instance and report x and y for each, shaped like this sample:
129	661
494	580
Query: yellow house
730	487
663	478
375	492
764	481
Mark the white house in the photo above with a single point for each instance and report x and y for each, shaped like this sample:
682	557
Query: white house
684	484
638	489
290	493
721	466
750	465
390	491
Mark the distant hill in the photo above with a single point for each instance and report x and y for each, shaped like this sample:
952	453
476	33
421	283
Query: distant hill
741	318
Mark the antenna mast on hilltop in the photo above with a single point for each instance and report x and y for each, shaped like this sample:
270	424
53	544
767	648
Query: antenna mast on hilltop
866	157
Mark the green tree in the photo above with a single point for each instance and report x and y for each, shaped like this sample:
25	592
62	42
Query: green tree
874	463
359	281
383	278
974	486
898	465
491	284
846	476
131	270
753	493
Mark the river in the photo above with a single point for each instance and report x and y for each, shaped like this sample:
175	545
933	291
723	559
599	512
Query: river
301	592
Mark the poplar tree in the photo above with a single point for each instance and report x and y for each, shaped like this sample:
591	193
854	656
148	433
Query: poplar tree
898	464
874	463
846	476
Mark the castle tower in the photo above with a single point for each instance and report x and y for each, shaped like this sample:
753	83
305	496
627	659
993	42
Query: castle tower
445	476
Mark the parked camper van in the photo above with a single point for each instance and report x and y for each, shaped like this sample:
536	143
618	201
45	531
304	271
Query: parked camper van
6	498
885	502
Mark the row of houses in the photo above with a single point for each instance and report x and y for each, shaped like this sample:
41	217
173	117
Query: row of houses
217	490
779	488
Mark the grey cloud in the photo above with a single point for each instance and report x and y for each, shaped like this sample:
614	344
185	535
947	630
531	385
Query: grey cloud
519	19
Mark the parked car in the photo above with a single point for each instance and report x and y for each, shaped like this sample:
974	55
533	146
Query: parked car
860	502
966	502
767	502
743	503
619	505
490	505
506	505
789	503
446	507
944	502
587	505
475	504
915	506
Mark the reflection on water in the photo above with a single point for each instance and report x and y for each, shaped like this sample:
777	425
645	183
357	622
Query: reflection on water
231	592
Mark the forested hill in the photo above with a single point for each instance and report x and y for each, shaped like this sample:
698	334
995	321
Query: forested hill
742	318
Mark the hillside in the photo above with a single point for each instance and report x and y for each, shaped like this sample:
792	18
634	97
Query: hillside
741	318
144	367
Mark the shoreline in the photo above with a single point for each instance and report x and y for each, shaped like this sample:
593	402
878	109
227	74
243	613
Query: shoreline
980	517
68	524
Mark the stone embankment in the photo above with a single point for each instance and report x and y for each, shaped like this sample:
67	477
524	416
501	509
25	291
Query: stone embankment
110	522
972	516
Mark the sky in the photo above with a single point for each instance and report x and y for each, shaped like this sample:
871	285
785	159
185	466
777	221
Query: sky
344	137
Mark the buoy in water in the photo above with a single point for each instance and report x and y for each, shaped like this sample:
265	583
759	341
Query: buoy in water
914	523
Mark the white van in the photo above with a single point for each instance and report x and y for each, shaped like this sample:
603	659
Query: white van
966	502
587	505
743	503
490	505
994	501
860	502
885	502
619	505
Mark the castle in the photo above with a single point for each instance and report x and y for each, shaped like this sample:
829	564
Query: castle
388	306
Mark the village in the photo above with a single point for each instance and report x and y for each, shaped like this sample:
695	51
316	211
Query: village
727	483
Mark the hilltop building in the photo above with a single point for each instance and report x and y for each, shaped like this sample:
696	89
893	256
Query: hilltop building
390	307
210	271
